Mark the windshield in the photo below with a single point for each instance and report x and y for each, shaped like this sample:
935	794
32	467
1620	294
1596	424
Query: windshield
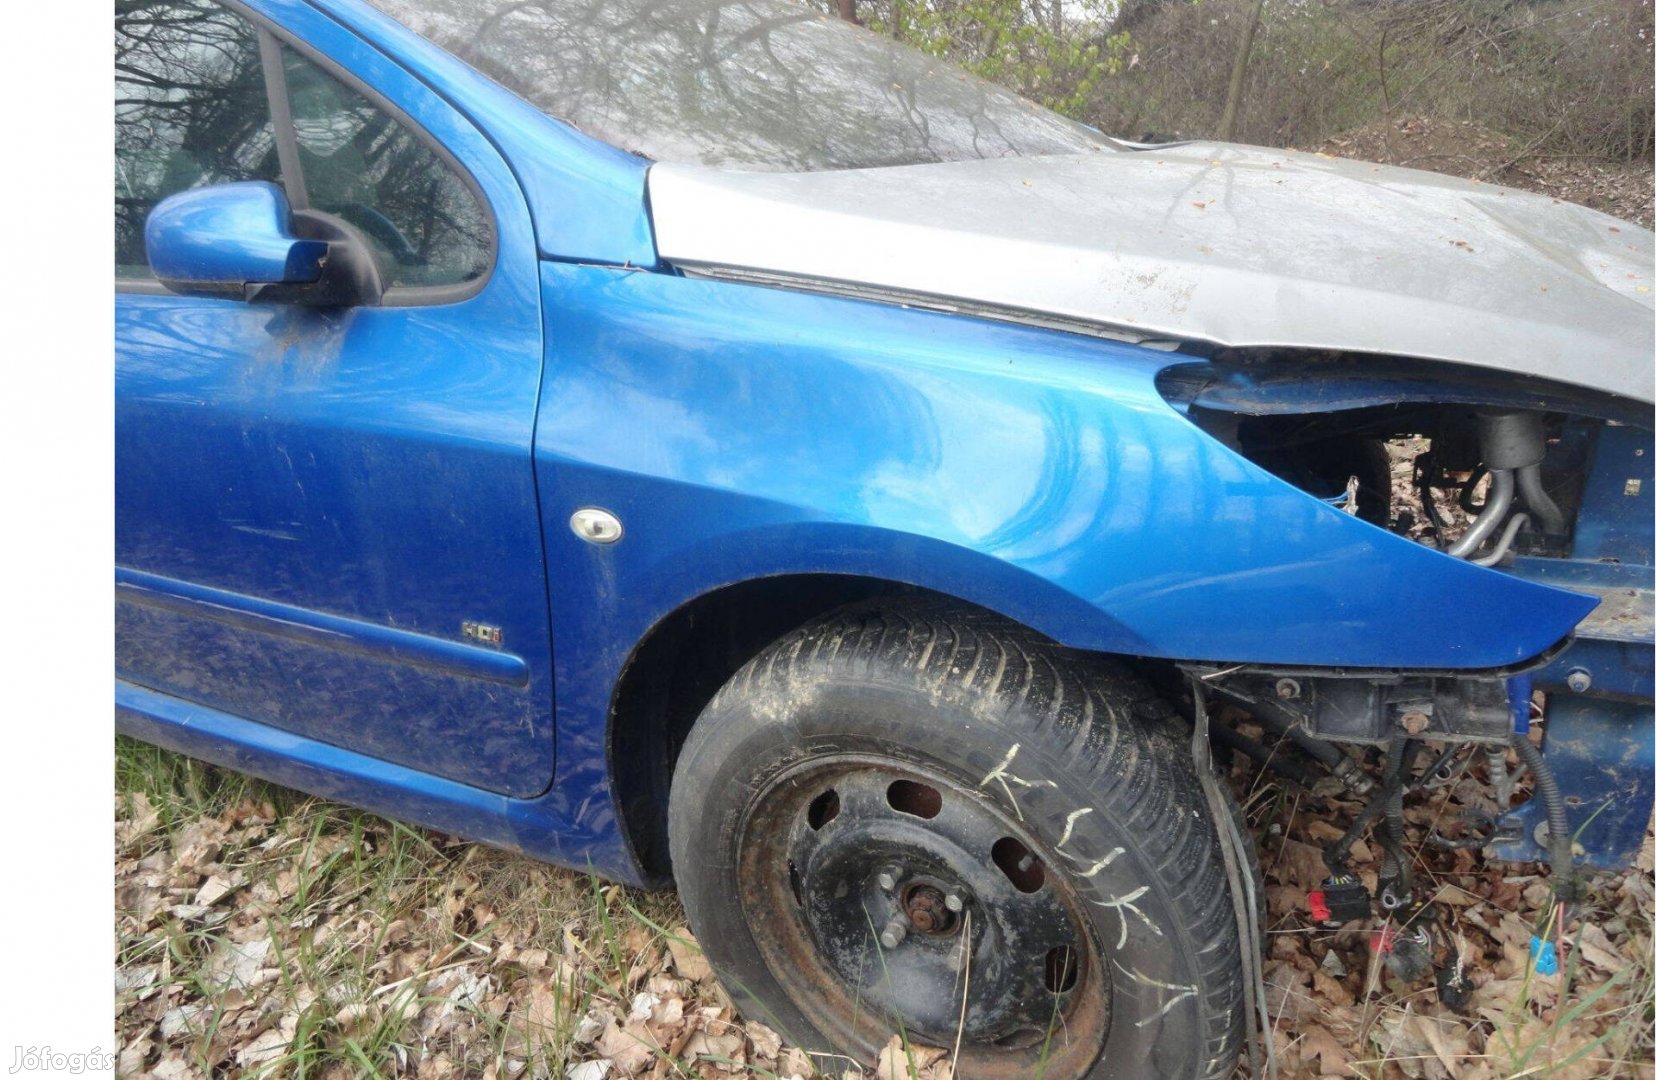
754	84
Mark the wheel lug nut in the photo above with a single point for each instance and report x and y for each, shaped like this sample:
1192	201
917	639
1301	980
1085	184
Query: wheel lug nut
954	903
894	933
888	878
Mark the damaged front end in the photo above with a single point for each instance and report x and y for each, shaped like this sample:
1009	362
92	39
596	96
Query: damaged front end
1546	482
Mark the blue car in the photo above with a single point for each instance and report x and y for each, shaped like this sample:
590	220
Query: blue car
708	443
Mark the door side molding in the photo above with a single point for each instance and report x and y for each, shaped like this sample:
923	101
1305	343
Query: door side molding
319	628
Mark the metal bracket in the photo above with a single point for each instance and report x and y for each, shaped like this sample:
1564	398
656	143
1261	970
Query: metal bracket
1603	753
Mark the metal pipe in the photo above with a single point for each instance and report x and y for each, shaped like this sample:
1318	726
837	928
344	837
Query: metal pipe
1539	502
1496	505
1498	552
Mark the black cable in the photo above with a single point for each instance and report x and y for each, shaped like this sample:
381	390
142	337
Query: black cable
1395	867
1481	826
1287	723
1560	847
1425	472
1274	758
1465	499
1335	857
1430	776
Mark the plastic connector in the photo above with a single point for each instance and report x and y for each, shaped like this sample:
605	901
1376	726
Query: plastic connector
1341	899
1546	956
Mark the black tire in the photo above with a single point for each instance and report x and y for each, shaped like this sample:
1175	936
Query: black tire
1072	757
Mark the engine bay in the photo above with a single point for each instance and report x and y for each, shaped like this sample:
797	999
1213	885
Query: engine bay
1547	482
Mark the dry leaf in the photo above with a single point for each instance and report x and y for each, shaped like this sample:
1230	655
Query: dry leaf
630	1047
721	1049
588	1070
238	964
592	1025
687	957
264	1048
1596	948
216	887
767	1044
898	1063
1301	864
795	1062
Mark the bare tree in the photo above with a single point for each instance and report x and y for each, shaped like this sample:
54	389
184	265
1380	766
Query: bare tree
1239	74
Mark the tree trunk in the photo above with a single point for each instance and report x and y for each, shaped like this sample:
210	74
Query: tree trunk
1239	76
848	11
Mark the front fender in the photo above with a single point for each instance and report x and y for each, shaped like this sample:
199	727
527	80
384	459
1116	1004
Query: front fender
740	431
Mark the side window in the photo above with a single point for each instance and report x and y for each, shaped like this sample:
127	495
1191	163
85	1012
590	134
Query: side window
359	164
190	109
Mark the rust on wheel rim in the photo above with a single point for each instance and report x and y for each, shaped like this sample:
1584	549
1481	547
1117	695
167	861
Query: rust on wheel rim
883	894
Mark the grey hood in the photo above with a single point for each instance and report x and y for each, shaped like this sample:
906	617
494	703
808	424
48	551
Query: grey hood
1231	245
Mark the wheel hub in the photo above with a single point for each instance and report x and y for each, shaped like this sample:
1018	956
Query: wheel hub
927	911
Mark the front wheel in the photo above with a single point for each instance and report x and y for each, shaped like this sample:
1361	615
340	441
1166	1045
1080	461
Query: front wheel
931	823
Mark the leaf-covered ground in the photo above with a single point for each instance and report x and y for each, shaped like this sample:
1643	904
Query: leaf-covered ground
1621	189
263	933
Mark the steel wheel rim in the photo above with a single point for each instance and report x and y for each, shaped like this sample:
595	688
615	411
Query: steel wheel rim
814	848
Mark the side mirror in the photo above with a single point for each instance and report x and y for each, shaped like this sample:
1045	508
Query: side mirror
243	241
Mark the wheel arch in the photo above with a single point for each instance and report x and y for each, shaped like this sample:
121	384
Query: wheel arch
682	661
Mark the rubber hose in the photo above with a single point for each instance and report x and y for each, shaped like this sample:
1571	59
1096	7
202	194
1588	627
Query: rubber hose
1423	472
1263	754
1537	499
1286	723
1559	845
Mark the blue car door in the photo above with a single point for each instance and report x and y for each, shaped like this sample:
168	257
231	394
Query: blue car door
326	519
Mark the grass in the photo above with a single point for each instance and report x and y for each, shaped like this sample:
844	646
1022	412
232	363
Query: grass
382	941
344	944
1526	1045
264	933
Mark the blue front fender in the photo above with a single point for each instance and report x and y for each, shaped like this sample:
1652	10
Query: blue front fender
741	432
